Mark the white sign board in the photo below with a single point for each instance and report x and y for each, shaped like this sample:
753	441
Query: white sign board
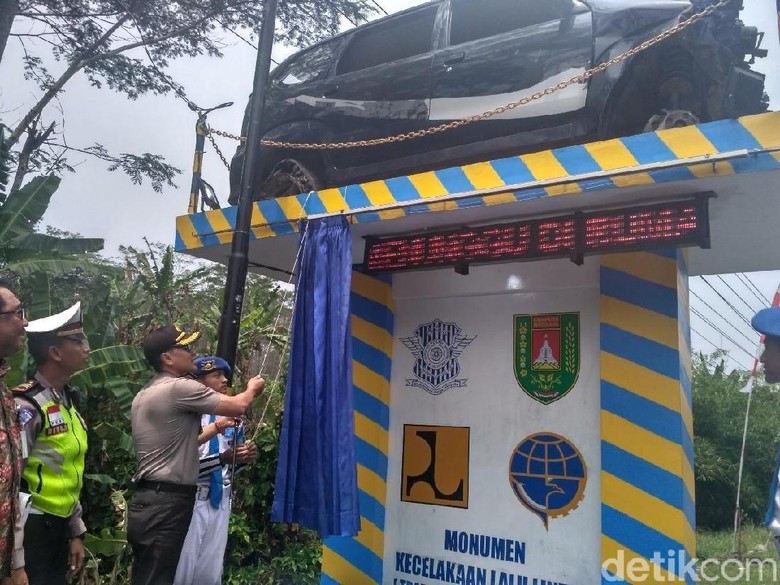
494	455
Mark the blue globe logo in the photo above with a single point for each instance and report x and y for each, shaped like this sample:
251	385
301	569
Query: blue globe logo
548	475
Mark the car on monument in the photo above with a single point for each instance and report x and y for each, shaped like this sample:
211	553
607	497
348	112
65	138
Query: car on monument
451	59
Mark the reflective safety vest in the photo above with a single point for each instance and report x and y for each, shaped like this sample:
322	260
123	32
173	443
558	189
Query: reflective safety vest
55	466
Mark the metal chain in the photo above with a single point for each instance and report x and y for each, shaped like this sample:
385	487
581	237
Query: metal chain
499	110
216	148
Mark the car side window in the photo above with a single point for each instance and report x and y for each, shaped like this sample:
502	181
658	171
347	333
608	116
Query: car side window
309	65
399	38
478	19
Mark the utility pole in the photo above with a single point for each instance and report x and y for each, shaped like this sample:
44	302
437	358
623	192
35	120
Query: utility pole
239	253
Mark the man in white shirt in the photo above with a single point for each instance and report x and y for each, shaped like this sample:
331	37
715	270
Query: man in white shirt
202	556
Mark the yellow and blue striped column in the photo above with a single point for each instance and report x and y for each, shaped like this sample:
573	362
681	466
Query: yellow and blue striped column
647	506
358	560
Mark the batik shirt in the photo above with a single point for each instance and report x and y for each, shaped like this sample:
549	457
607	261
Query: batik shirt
10	472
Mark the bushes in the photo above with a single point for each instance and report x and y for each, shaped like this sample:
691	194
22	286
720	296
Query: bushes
718	422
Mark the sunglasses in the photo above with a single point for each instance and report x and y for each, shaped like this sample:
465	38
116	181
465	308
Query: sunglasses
19	312
186	347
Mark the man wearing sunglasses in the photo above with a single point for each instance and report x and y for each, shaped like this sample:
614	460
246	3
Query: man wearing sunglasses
12	324
166	416
54	438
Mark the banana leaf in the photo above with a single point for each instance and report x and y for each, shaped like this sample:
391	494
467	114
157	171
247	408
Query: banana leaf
25	207
100	478
54	245
63	265
110	542
116	436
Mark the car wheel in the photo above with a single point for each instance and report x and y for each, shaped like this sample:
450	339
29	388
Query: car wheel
289	177
671	119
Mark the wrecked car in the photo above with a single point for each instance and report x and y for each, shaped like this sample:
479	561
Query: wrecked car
450	59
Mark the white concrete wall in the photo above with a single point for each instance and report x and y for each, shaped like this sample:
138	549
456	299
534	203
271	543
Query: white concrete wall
499	415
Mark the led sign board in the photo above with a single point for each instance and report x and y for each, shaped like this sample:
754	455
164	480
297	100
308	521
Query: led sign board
679	223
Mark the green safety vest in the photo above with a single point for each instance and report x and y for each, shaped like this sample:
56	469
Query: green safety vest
55	467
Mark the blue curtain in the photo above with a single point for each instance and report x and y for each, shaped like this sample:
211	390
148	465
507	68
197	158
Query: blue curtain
316	477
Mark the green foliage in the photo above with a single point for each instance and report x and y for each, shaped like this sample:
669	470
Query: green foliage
261	552
719	416
27	253
757	546
122	301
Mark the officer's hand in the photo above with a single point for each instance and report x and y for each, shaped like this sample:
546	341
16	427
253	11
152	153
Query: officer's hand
256	384
225	422
18	577
76	557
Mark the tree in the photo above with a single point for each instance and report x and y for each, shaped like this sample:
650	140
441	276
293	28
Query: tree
718	420
127	45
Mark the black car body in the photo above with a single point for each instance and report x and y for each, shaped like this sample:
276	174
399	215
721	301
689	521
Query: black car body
451	59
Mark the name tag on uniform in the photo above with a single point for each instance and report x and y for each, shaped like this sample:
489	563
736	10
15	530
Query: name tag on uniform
57	424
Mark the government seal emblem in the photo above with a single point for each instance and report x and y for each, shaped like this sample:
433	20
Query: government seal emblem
548	475
547	354
437	346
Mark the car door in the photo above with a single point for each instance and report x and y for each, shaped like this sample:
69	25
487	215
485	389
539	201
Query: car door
501	50
381	86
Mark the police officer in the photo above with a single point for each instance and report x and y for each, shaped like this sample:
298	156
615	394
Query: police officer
166	416
55	439
203	553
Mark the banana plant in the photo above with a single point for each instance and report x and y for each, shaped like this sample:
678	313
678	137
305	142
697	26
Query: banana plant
25	252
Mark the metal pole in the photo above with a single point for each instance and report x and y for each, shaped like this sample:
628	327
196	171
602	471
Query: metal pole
738	511
239	260
197	163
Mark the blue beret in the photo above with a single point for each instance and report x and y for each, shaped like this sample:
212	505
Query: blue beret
767	321
208	364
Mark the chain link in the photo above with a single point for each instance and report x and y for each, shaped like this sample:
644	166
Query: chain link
682	25
216	148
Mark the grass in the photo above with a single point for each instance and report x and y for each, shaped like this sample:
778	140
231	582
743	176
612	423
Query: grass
757	547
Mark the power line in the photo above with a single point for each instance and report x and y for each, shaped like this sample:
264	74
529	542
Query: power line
751	309
719	330
754	289
711	308
244	39
732	307
713	344
378	5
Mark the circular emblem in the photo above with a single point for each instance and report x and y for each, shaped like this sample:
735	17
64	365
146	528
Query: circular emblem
436	353
548	475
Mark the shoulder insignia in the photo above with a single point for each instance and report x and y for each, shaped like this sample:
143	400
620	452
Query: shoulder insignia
22	388
25	416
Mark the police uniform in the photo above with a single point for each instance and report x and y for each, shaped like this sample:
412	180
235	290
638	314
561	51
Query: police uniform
202	556
54	438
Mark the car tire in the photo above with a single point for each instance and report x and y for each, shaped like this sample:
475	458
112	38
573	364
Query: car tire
289	177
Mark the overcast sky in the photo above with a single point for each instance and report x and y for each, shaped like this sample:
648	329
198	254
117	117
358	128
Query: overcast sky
96	203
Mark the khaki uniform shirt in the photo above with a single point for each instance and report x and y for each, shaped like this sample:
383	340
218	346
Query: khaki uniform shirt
165	418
